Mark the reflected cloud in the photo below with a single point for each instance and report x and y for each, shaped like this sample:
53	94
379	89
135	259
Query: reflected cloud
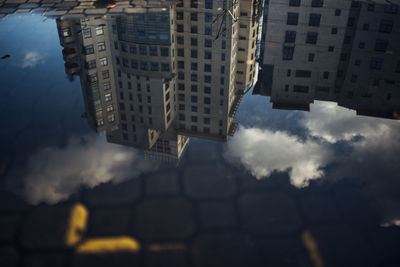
334	123
262	152
31	59
54	173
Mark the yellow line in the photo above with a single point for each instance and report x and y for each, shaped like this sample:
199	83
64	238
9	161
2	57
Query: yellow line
76	224
109	245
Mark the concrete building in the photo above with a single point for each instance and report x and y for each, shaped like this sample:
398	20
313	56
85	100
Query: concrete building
342	51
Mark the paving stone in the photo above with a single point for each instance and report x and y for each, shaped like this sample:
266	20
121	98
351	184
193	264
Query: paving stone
176	258
46	259
55	13
208	182
105	260
272	213
39	10
28	5
387	243
22	11
164	219
10	202
8	257
284	252
34	1
47	227
228	249
114	194
116	9
342	246
50	1
110	222
67	4
96	11
165	183
355	207
9	225
318	208
76	11
7	10
15	1
217	214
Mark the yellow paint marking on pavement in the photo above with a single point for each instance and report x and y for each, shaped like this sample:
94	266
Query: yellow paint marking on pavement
76	224
109	245
312	247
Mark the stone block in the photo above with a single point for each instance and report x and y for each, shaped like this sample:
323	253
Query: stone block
110	222
273	213
208	182
164	219
228	249
165	183
114	194
9	225
214	214
9	257
47	259
50	227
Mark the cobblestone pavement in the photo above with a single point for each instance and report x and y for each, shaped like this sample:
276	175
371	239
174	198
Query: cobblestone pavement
56	8
192	217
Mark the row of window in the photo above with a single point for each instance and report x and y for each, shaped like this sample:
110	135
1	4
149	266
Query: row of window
143	50
208	4
144	65
314	3
208	17
91	64
293	19
89	49
194	29
87	32
194	88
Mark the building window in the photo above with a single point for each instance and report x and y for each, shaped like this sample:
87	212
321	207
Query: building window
164	51
101	46
153	51
208	17
87	33
334	30
89	49
326	75
91	64
193	16
181	52
361	45
386	26
181	64
208	4
312	37
314	20
154	66
292	18
207	67
108	97
106	86
132	49
207	42
179	15
317	3
207	89
193	77
193	29
143	50
357	62
338	12
222	69
223	44
134	64
194	108
288	52
193	88
207	54
193	99
179	27
103	61
303	73
180	40
371	7
294	2
181	75
193	41
381	45
207	78
391	8
99	30
207	100
208	30
143	65
105	74
290	37
66	32
376	63
331	48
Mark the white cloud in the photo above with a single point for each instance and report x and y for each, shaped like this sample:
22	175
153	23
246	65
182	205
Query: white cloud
55	173
262	151
31	59
335	123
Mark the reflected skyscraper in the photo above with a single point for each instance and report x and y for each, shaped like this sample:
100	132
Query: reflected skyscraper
153	79
317	50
